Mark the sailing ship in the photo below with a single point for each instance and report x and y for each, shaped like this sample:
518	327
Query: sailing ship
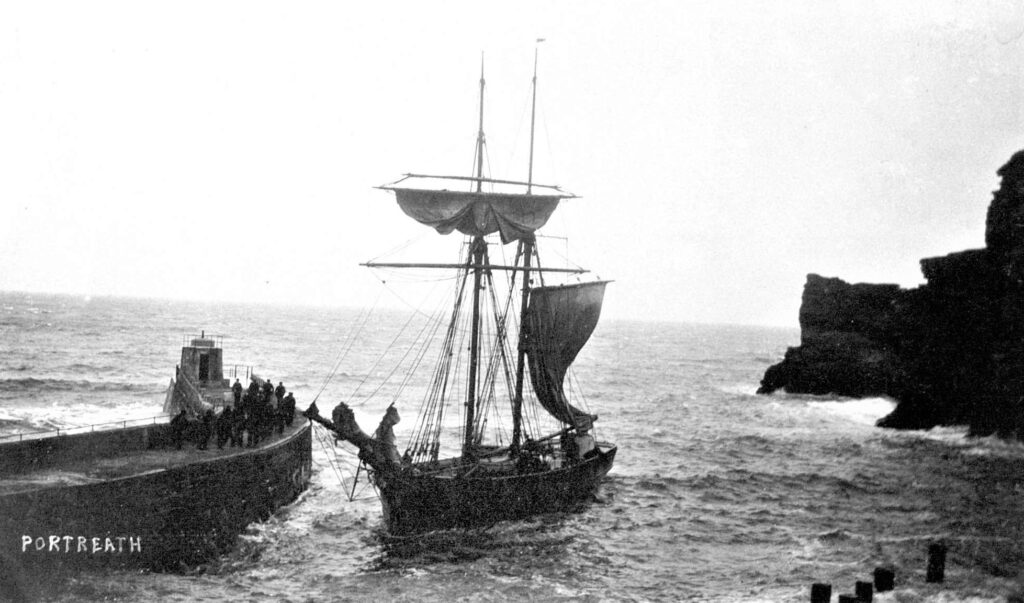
516	325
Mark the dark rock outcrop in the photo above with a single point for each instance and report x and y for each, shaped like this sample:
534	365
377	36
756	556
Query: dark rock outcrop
950	351
844	345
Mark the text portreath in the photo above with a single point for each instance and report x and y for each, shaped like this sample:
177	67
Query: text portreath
82	544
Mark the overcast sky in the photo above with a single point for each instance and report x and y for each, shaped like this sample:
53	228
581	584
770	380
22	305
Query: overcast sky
721	150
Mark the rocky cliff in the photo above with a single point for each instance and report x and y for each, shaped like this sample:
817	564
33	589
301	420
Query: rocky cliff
949	352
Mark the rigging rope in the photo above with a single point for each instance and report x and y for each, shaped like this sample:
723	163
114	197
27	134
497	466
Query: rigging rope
332	459
404	302
401	246
350	341
563	256
395	368
500	350
426	435
335	460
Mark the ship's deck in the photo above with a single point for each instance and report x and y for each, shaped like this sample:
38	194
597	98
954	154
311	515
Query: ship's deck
130	463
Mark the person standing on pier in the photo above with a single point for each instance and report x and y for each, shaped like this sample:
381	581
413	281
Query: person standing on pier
178	425
205	430
237	427
225	424
288	409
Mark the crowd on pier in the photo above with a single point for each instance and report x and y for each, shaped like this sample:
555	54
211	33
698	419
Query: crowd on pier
257	413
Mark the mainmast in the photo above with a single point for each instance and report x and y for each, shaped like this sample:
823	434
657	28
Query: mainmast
533	116
478	251
526	247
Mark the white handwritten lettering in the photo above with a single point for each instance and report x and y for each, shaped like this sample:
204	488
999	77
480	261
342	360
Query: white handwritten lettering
52	543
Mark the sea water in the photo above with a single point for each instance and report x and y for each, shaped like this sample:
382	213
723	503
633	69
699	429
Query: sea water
717	494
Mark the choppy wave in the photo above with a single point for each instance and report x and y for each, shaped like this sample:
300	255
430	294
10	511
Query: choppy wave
717	495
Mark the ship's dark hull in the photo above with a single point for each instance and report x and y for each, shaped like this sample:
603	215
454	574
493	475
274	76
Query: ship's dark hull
421	502
171	517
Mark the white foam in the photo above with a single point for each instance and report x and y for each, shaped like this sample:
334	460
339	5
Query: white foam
7	415
863	410
994	446
740	389
88	413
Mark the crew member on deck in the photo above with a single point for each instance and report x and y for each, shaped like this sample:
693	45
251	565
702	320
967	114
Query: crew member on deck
386	433
280	391
585	444
237	390
568	445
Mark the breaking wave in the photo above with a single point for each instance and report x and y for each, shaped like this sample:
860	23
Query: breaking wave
35	385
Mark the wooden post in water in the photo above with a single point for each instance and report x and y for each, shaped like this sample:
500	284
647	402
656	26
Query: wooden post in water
885	579
865	591
821	593
936	562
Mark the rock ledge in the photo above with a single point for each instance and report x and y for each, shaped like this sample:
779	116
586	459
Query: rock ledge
949	352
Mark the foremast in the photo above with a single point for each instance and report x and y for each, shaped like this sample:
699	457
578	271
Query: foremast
477	254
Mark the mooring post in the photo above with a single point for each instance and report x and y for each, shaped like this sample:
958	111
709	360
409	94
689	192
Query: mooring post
821	593
885	579
936	562
865	591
